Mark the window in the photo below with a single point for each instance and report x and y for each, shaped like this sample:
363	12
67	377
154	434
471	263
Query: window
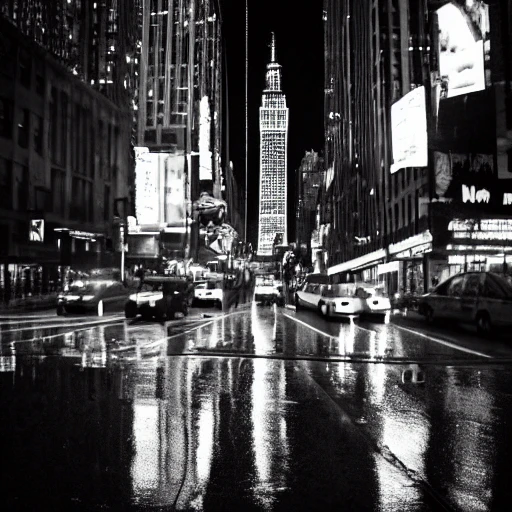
5	184
22	189
455	287
397	217
58	191
472	285
106	203
40	85
25	67
54	135
496	288
63	128
23	127
38	134
5	118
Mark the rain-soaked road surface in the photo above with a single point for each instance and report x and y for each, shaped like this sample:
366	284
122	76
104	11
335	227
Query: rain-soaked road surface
255	408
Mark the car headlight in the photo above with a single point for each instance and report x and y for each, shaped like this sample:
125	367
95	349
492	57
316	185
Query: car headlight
133	297
87	297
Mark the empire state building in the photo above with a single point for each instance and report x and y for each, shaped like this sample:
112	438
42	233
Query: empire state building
273	158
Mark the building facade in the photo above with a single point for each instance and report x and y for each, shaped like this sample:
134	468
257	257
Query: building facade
65	161
310	177
273	159
414	157
179	109
96	40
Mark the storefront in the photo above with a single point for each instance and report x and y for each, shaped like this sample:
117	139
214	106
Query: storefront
411	256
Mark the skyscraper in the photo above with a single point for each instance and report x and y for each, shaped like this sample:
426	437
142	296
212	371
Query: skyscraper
273	158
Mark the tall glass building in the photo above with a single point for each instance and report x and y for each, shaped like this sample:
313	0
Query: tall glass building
273	158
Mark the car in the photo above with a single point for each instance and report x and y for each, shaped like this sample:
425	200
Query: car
376	302
480	298
266	289
208	291
96	296
161	297
339	300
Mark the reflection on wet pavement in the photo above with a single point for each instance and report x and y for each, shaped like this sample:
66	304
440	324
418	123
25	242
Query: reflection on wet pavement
112	415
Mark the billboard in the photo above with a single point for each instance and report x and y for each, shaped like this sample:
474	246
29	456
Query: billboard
463	47
159	188
409	131
146	187
36	233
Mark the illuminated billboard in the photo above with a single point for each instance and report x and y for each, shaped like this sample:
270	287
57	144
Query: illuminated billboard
463	47
36	233
159	188
146	187
409	131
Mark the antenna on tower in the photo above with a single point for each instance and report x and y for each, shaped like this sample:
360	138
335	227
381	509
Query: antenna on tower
273	48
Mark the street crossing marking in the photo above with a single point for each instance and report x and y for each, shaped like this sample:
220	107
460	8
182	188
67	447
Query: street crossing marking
443	342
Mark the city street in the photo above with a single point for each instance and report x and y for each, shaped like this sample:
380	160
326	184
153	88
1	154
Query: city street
252	408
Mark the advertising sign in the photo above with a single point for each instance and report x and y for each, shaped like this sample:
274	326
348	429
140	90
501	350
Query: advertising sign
463	46
409	131
172	167
146	187
36	233
159	188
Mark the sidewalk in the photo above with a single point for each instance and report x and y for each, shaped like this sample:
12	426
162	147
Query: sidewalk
36	303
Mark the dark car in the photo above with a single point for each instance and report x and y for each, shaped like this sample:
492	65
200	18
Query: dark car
161	297
95	296
480	298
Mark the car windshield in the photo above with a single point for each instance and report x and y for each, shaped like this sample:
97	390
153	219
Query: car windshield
86	288
504	286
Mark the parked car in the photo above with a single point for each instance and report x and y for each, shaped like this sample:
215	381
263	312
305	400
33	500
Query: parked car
328	299
480	298
208	291
376	302
161	297
96	296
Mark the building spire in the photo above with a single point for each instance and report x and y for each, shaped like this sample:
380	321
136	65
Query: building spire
273	48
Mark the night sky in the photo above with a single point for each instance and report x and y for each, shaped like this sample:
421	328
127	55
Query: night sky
298	29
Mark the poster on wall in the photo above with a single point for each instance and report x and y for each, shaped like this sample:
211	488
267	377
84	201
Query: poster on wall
172	167
36	233
409	131
464	47
147	201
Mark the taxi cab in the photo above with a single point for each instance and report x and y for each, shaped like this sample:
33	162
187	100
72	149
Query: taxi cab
480	298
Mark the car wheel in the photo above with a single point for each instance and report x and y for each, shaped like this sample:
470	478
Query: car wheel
130	310
429	314
171	314
60	310
218	304
298	307
100	308
483	324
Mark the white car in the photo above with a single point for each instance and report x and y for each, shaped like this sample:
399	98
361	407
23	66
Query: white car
375	300
208	291
266	289
330	300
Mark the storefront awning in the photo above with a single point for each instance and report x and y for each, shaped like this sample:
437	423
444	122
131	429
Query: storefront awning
358	263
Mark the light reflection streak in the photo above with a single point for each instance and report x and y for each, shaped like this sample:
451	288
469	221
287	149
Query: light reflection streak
270	436
471	408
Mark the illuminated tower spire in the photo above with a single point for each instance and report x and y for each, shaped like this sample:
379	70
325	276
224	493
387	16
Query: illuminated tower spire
273	158
273	48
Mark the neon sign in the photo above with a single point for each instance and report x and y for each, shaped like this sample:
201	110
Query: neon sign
507	198
472	195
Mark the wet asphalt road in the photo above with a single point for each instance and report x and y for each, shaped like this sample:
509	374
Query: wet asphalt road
254	408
